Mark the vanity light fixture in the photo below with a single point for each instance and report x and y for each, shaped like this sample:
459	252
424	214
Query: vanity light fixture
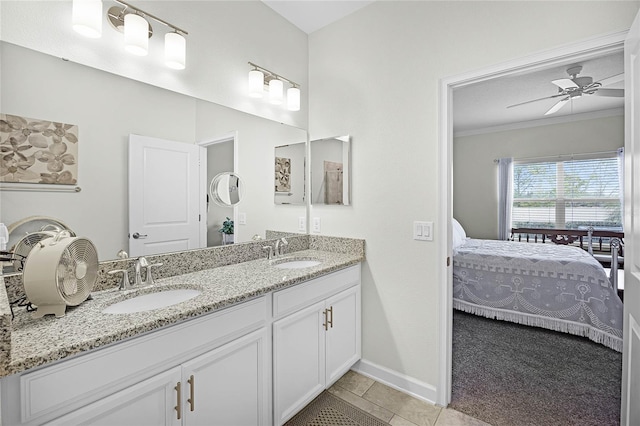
134	23
260	77
86	17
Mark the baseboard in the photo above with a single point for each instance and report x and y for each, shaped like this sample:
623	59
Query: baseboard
396	380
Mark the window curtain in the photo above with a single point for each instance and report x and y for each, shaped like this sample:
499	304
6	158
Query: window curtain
505	197
620	155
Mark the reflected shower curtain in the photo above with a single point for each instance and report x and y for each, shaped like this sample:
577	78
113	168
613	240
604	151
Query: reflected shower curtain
505	197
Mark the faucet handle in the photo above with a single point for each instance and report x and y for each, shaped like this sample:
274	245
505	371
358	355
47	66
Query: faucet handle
149	280
124	284
269	252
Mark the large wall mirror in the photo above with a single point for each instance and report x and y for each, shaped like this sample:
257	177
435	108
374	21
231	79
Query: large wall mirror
330	171
289	173
107	108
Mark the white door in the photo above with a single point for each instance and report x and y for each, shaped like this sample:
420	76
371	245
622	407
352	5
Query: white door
229	385
164	207
298	361
151	402
631	352
343	334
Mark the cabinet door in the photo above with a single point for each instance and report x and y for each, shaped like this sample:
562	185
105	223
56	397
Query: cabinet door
343	336
151	402
299	360
228	386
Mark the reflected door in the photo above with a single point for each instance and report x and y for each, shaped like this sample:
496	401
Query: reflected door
163	196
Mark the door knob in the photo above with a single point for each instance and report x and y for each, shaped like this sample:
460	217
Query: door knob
137	235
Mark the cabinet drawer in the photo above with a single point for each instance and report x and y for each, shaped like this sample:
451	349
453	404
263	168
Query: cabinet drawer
294	298
56	389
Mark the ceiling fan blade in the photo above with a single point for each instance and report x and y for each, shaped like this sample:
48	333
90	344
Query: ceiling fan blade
615	93
611	80
558	105
565	83
535	100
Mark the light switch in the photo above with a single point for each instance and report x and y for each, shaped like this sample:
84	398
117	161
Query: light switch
302	224
423	231
316	225
242	218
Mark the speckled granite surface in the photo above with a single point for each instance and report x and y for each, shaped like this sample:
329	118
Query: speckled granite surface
35	342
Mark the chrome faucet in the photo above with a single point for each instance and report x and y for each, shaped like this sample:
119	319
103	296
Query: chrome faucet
281	246
141	262
269	250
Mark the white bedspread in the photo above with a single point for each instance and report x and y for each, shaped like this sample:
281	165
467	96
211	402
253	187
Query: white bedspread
561	288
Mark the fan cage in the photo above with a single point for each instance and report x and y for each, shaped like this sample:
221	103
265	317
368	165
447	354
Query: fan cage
24	246
77	271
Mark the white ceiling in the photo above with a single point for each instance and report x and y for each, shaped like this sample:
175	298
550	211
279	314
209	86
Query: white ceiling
311	15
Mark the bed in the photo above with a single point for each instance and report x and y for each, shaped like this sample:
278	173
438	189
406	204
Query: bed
560	288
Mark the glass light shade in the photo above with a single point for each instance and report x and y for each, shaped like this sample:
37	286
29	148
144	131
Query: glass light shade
276	91
293	99
175	51
86	17
136	34
256	83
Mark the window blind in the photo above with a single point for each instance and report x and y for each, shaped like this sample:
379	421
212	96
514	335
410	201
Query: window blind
569	194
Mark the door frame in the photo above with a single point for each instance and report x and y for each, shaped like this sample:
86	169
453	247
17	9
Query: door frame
226	137
574	52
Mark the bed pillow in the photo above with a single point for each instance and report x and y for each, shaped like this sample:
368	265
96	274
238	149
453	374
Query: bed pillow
459	235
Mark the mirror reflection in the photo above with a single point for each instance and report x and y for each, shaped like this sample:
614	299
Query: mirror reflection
226	189
330	171
107	109
290	170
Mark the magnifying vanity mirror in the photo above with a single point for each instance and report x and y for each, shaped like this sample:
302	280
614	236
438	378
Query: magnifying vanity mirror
290	171
226	189
330	171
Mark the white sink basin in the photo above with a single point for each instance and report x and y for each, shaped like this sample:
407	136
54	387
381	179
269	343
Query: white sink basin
150	301
296	263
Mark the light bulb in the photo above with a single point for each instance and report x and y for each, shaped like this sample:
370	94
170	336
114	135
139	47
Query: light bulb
276	91
256	83
175	51
87	17
136	34
293	99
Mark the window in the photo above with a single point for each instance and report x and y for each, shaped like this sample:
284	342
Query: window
567	194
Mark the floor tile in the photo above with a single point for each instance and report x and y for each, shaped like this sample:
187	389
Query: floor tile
419	412
399	421
449	417
354	382
353	399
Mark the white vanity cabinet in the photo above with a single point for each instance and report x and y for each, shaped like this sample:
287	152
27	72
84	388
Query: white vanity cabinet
316	338
206	371
225	386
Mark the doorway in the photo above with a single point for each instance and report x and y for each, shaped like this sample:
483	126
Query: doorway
571	53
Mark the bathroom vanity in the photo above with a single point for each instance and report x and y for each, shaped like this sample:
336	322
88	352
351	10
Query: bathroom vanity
256	345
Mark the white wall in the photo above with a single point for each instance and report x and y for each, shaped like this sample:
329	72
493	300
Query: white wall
375	75
223	37
475	175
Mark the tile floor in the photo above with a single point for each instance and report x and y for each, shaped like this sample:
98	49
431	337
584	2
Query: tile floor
395	407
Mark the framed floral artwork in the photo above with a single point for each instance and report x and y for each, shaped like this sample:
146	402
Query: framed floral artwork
38	151
283	174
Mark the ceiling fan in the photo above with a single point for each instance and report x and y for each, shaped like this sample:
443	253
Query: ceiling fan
574	87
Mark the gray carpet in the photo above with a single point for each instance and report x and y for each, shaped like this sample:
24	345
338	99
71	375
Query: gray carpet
509	374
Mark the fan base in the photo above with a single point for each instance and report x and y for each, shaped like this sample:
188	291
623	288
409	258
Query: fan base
57	310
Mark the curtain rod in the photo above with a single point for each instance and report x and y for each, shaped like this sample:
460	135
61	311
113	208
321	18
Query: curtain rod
562	156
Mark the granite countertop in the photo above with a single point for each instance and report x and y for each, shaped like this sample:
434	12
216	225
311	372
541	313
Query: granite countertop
36	342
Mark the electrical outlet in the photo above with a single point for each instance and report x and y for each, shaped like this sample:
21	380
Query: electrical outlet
302	224
242	218
316	225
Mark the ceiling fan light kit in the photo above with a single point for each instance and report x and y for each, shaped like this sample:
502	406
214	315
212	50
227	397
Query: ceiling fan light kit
574	87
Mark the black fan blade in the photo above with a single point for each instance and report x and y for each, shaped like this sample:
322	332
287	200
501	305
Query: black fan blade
614	93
